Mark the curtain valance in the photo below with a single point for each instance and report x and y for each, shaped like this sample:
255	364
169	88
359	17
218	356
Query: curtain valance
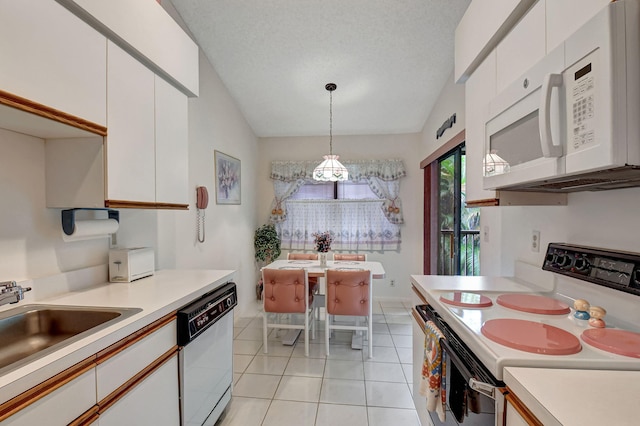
386	170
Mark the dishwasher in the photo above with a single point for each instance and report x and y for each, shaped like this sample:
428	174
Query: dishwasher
205	356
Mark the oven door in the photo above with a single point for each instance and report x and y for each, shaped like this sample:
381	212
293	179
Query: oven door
469	401
206	374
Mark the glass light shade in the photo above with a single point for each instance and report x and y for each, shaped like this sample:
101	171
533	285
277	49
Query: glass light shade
330	170
494	164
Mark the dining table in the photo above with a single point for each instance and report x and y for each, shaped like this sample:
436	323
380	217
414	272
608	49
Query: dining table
315	269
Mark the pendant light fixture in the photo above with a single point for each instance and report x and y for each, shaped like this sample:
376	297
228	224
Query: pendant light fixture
330	169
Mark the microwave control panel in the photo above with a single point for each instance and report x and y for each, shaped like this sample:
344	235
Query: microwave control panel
580	81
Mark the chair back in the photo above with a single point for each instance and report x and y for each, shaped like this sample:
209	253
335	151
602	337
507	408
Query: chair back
350	256
348	292
286	290
302	256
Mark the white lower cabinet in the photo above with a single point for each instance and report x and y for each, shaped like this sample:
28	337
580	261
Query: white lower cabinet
517	414
61	406
154	401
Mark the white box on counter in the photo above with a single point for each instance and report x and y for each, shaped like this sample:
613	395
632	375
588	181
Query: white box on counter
130	264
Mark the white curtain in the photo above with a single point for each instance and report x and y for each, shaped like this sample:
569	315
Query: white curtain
355	225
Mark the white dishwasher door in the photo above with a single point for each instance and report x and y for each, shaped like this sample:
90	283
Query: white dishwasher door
207	373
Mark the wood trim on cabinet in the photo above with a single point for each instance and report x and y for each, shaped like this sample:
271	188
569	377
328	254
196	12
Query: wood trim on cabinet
487	202
133	338
448	146
119	393
124	204
419	320
420	296
45	388
31	107
87	418
522	409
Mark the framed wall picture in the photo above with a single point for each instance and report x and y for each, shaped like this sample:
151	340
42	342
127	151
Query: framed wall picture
227	179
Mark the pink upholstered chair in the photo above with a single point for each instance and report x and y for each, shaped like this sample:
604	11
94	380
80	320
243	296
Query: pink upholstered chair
313	281
354	257
286	291
349	293
302	256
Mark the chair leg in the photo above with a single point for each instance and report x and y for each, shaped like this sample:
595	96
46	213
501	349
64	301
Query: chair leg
370	332
306	333
327	330
264	332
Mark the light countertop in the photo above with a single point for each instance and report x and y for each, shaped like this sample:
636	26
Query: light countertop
157	296
577	397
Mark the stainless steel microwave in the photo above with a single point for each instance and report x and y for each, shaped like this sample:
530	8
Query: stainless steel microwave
572	122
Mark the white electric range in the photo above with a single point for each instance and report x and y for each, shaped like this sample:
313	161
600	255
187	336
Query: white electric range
484	314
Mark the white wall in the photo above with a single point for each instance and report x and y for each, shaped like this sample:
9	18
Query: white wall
31	243
398	265
450	101
606	219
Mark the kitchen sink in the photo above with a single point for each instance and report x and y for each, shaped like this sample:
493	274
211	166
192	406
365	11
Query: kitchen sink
33	331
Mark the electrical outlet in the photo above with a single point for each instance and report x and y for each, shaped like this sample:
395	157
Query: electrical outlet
535	241
393	283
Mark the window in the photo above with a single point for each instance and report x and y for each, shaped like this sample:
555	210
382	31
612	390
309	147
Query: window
311	190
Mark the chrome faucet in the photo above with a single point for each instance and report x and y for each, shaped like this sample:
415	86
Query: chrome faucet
10	292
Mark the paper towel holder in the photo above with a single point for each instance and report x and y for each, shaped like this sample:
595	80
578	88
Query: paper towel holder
69	218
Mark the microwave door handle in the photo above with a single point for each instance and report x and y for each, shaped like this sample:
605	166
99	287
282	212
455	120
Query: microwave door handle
549	150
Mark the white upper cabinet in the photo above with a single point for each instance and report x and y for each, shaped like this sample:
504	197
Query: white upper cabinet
147	31
479	90
522	47
52	57
130	147
172	144
480	30
564	17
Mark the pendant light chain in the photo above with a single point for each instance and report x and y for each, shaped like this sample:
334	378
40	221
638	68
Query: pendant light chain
330	122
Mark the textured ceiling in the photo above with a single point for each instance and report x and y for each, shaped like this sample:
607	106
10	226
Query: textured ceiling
389	58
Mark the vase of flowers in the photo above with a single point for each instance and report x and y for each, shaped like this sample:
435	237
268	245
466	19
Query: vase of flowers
323	245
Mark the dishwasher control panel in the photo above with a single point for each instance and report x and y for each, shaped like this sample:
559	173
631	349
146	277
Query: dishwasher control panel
202	313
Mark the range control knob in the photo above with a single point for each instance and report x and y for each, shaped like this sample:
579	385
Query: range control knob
551	257
581	264
563	260
229	302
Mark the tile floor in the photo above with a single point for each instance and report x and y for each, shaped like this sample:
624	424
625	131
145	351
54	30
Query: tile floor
285	388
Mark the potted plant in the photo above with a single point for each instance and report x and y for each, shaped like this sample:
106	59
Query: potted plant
267	245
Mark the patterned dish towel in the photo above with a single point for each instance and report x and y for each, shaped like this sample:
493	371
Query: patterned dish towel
433	370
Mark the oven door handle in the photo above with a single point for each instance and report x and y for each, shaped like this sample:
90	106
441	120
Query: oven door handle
482	387
486	389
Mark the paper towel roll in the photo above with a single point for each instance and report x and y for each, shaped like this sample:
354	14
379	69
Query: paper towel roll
90	229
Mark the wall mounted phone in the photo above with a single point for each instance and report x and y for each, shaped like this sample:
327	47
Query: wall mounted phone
202	201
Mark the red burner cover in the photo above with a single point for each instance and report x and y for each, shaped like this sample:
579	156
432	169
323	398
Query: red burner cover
466	300
616	341
533	303
531	336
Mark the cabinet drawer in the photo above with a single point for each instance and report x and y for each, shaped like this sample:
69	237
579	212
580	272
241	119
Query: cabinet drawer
125	359
60	406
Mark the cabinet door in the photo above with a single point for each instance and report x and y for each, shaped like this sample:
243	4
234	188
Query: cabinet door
172	150
522	47
564	17
61	406
480	89
154	401
51	57
130	145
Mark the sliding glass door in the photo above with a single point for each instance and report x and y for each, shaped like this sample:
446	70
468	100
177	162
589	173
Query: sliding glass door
458	226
